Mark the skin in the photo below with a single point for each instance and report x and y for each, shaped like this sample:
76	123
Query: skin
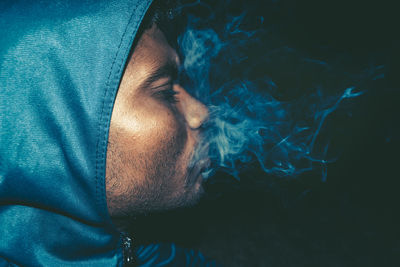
155	127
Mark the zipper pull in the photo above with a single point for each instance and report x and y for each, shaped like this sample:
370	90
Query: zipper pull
127	251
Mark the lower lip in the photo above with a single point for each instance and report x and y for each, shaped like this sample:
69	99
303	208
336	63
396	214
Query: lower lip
198	182
199	178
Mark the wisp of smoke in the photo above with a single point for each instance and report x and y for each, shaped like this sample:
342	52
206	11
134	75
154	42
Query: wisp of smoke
247	122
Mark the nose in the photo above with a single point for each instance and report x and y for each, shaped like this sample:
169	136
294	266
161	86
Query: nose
195	112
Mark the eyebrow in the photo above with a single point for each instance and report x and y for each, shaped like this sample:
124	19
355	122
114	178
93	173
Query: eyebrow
168	69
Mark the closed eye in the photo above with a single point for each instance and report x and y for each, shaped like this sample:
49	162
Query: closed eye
170	95
166	92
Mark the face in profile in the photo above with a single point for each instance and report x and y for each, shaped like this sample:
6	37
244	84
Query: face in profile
153	134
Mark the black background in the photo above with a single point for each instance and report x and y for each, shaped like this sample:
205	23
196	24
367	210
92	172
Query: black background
352	219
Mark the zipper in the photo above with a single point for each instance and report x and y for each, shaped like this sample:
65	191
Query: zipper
127	250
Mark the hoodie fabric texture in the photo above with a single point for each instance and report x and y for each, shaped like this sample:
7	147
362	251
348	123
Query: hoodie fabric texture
61	63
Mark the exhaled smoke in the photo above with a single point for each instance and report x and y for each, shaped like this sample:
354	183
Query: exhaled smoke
247	122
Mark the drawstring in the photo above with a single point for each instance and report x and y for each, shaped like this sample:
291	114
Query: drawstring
127	250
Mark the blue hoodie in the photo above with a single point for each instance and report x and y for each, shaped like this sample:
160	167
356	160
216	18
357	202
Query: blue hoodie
60	67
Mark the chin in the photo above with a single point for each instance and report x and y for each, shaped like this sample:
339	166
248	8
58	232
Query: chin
197	194
192	196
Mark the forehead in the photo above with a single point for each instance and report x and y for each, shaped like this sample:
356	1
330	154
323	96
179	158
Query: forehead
152	51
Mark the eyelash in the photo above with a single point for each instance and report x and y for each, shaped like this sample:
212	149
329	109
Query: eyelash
170	95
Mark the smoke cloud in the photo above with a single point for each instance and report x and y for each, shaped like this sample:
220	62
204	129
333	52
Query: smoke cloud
248	122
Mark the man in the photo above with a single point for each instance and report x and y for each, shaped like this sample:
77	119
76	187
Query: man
95	129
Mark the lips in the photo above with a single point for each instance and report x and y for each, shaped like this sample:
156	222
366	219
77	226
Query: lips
205	170
200	167
201	161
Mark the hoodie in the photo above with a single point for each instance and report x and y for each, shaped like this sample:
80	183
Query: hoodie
61	63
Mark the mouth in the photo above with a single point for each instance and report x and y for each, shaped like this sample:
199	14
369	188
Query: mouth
199	170
205	170
201	162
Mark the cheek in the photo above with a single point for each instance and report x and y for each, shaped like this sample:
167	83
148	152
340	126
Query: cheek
161	131
152	152
156	138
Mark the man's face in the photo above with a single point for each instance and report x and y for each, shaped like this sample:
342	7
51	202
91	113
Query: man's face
153	134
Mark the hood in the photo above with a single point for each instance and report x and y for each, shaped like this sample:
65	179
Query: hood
60	67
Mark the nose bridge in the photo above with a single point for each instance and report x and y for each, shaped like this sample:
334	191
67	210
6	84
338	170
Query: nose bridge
195	112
